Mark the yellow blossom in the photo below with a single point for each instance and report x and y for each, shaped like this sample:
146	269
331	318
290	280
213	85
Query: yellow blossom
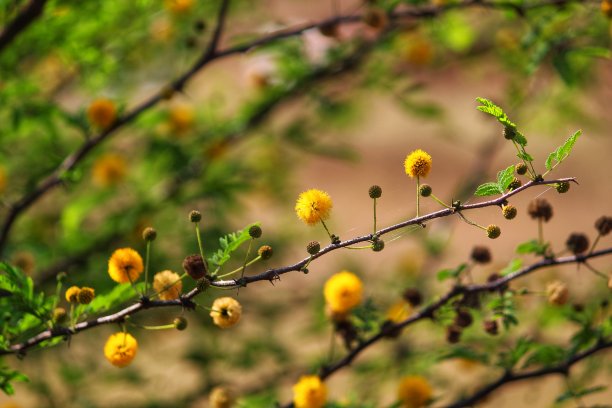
343	291
168	284
418	164
414	392
178	6
85	295
226	312
181	118
125	265
102	113
109	170
606	8
221	397
309	392
399	311
557	293
313	206
120	349
72	294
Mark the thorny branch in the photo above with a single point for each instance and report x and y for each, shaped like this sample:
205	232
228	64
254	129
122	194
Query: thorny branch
212	53
186	300
26	16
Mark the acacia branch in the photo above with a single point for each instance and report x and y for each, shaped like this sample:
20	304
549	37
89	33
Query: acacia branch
510	376
212	53
186	301
26	16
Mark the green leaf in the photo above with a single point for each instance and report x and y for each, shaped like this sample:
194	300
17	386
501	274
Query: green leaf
509	359
451	273
7	376
525	156
521	139
562	151
230	243
505	177
532	247
572	394
465	353
513	266
545	355
488	189
495	111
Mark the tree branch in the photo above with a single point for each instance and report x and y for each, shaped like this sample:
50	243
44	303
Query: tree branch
26	16
212	53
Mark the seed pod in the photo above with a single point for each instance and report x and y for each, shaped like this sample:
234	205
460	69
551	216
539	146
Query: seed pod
425	190
195	266
255	231
493	231
313	247
509	211
375	191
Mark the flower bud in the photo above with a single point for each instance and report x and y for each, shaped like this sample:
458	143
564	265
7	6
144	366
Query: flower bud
603	225
195	266
85	295
180	323
265	251
58	315
413	296
463	318
453	334
509	132
255	231
521	168
493	231
375	191
425	190
61	277
577	243
195	216
540	209
378	245
313	247
514	184
562	187
490	326
509	211
149	234
481	254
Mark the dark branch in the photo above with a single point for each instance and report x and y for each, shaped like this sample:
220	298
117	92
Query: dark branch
26	16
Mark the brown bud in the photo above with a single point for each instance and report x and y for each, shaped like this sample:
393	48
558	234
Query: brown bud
490	327
481	254
603	225
453	334
265	251
412	296
195	266
540	208
577	243
463	318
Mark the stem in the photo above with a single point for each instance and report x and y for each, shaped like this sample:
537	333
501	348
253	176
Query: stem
374	216
244	265
540	231
418	196
200	246
594	243
326	229
147	259
471	222
440	201
240	268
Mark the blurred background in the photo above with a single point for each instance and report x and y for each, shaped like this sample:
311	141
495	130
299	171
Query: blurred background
337	109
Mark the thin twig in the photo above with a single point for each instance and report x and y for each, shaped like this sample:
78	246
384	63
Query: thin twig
23	20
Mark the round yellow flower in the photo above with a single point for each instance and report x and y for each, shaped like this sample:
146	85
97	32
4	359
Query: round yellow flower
226	312
399	311
343	291
309	392
221	397
606	8
85	295
181	118
178	6
120	349
168	284
72	294
2	180
125	265
414	392
557	293
102	113
109	170
418	164
313	206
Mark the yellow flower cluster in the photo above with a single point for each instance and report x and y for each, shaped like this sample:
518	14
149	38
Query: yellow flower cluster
181	118
168	284
125	265
109	170
178	6
313	206
102	113
309	392
120	349
83	295
414	392
343	292
226	312
557	292
418	164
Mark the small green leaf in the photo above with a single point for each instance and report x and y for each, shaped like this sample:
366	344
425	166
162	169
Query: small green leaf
513	266
571	394
549	160
562	151
495	111
521	139
532	247
488	189
524	156
505	177
451	273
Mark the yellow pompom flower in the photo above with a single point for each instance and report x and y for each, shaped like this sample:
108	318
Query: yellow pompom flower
2	180
72	294
102	113
86	295
178	6
418	164
399	311
414	392
226	312
221	397
557	293
109	170
343	291
168	284
125	265
181	118
309	392
313	206
120	349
